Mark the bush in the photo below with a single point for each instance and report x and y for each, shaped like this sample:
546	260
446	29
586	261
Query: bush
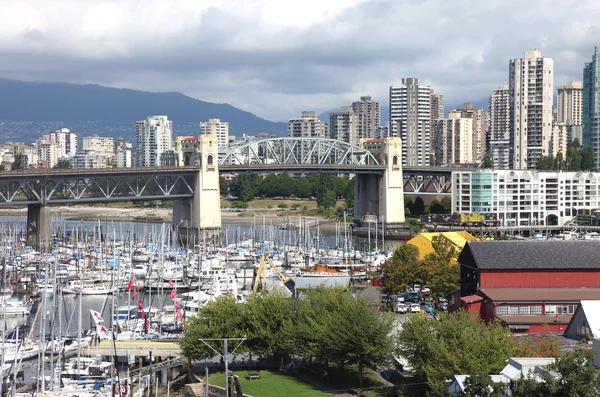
282	205
239	204
296	206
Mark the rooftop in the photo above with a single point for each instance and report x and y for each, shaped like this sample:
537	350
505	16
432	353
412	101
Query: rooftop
510	254
547	295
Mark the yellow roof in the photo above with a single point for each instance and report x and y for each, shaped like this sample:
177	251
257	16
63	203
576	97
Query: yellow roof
458	239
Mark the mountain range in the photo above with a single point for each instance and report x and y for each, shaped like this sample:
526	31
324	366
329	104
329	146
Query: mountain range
29	109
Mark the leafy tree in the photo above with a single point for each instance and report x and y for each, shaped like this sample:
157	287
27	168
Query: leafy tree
544	163
221	318
418	207
481	385
408	205
436	207
224	186
399	269
440	268
588	163
350	194
572	374
326	198
487	162
242	187
296	206
457	344
285	185
19	163
413	225
62	164
302	188
447	204
282	205
341	187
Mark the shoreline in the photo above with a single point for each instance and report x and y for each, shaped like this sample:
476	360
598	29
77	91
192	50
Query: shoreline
157	215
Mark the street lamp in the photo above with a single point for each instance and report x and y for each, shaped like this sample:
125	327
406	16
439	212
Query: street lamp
224	356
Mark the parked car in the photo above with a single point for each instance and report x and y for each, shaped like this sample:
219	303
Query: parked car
415	308
399	298
384	299
401	308
411	297
425	289
443	306
417	288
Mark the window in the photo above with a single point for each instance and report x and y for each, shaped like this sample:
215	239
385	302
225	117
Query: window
513	310
500	310
550	309
209	159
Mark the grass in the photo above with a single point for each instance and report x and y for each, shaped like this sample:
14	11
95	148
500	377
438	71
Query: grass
270	384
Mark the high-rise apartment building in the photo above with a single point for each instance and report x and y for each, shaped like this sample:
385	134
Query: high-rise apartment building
344	125
410	119
591	104
67	142
559	139
499	125
369	117
308	125
48	152
530	91
101	145
570	103
480	122
218	128
454	139
154	136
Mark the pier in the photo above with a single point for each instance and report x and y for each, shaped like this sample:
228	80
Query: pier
162	348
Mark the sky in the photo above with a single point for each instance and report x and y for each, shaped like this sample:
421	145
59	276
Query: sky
277	58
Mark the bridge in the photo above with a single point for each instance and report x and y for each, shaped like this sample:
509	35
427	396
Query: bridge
380	181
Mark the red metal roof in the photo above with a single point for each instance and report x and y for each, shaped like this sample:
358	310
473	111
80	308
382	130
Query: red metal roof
471	298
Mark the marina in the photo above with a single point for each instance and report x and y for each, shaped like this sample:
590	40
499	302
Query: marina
111	293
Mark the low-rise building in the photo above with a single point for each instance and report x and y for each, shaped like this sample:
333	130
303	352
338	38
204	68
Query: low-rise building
519	197
90	159
530	286
424	241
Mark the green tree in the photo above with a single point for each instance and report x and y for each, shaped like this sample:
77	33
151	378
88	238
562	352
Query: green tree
326	199
63	164
447	204
269	324
459	343
349	196
436	207
440	268
413	225
572	374
18	163
302	188
487	162
481	385
286	185
418	207
587	160
221	318
282	206
408	205
223	186
544	163
242	187
341	187
399	269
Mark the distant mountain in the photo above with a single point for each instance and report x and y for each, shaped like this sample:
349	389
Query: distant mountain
112	111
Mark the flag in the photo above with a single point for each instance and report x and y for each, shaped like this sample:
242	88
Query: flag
171	282
183	324
147	325
140	305
178	315
102	332
173	294
130	285
134	294
96	316
177	305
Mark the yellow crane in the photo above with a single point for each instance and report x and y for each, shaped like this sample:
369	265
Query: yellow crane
260	276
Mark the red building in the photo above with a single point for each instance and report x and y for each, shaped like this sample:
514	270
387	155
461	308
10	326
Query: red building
531	286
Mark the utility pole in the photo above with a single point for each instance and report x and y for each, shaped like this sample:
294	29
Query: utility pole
224	355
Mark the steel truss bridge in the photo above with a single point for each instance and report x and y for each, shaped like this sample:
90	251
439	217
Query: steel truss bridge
273	155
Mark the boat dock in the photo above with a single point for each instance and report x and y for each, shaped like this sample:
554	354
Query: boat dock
166	348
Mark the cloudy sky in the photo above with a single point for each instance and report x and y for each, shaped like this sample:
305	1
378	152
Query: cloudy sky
276	58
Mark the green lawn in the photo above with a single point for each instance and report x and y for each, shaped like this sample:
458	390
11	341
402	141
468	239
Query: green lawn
270	384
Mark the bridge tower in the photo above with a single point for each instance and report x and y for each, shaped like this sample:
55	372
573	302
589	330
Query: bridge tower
203	211
38	226
381	197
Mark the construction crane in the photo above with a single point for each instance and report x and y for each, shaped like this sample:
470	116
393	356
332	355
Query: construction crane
260	277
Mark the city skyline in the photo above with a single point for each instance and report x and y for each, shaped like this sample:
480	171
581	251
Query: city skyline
277	60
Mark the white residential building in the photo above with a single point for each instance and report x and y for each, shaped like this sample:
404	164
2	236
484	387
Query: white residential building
218	128
90	159
480	122
531	89
101	145
369	117
67	142
499	125
410	119
454	139
123	157
48	152
559	139
344	125
526	197
154	136
308	125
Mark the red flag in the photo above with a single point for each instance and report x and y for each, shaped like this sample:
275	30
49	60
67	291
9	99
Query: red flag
134	293
178	315
173	294
140	305
171	282
147	325
130	285
177	305
183	324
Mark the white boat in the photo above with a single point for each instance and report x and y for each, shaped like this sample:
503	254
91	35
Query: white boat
92	287
16	350
15	307
591	236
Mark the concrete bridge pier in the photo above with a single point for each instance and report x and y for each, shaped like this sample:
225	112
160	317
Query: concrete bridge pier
381	197
202	213
38	226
